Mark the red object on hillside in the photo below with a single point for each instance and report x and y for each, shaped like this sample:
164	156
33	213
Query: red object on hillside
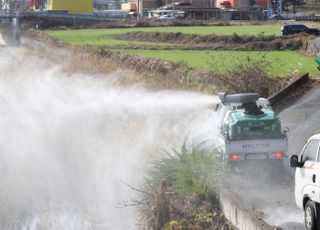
264	4
226	4
233	3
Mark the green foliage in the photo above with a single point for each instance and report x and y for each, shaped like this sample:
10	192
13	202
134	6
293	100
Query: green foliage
281	63
188	171
249	75
104	37
277	63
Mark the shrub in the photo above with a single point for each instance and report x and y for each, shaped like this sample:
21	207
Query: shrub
247	75
188	171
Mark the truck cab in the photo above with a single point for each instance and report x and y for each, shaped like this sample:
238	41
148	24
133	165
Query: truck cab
307	181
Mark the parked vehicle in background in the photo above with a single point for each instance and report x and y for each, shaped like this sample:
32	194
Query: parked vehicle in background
298	28
166	14
118	14
167	17
307	182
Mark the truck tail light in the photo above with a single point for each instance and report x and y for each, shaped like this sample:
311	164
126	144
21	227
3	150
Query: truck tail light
279	155
235	156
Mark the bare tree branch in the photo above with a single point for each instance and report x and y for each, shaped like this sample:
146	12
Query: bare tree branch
132	203
10	6
136	189
151	186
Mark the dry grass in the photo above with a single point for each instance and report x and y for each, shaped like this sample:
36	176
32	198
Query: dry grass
148	23
156	73
220	42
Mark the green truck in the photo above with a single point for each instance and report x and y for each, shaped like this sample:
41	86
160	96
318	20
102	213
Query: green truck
249	129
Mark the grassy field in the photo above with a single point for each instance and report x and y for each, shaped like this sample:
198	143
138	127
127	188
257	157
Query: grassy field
280	63
103	37
76	38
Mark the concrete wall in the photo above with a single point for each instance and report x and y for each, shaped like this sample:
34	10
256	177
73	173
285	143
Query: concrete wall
240	214
314	46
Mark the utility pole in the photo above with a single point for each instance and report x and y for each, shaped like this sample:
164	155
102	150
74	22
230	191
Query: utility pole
141	9
138	9
279	9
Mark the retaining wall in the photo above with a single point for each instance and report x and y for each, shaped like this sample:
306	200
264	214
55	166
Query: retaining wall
240	214
287	90
314	46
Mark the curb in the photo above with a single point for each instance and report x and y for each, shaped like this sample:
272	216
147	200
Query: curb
240	214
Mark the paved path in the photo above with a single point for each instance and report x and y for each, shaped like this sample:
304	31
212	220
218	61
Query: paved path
270	193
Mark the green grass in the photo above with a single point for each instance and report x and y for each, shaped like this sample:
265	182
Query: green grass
98	38
188	170
78	37
103	37
282	63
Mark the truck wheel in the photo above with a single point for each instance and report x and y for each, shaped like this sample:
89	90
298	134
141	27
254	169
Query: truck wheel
309	216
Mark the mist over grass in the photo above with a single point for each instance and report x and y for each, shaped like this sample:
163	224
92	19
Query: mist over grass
68	140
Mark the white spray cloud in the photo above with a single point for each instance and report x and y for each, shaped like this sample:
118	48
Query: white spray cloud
67	141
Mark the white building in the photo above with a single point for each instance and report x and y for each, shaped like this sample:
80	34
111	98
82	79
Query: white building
108	4
14	5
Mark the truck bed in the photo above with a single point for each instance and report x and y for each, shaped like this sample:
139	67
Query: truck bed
256	146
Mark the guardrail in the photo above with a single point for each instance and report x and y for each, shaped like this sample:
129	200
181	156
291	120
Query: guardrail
65	16
308	18
62	17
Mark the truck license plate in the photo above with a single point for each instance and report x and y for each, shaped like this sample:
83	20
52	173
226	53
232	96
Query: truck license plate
256	157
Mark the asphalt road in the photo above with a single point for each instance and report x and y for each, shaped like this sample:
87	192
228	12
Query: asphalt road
270	192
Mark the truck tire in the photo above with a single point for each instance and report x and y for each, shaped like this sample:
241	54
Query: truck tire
309	216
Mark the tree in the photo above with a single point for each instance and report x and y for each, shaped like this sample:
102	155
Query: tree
252	2
11	6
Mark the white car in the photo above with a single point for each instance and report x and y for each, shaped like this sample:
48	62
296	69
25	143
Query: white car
167	17
307	182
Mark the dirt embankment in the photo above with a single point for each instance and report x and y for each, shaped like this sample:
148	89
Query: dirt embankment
296	94
152	23
154	72
173	212
219	42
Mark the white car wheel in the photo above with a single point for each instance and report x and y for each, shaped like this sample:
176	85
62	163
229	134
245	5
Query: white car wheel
309	216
